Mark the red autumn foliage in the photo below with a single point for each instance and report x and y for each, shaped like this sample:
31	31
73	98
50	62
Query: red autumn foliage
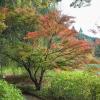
31	35
54	45
4	10
85	46
53	24
97	42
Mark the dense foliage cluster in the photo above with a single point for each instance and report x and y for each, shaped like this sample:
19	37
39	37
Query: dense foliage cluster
75	86
19	22
9	92
42	6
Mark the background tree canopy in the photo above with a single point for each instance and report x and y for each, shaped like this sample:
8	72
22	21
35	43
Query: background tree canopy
41	5
80	3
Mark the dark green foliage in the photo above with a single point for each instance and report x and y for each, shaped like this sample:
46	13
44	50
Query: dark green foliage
19	22
15	3
82	36
9	92
75	86
42	6
91	40
3	59
97	51
2	3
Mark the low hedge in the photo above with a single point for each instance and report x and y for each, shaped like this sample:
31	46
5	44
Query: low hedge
9	92
74	86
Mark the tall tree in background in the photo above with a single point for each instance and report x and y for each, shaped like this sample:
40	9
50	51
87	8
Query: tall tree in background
42	6
41	3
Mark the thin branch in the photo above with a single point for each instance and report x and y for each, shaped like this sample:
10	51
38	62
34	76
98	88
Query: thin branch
62	49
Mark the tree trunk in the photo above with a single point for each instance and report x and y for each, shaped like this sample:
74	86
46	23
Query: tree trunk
93	94
38	84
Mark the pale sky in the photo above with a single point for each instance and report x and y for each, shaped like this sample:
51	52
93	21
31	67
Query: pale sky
86	17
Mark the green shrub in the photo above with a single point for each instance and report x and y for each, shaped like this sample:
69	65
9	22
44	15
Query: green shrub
8	92
74	86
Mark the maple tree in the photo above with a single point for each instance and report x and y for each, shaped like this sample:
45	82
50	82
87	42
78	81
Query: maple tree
52	45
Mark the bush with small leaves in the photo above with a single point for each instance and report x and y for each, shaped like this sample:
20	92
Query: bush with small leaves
9	92
75	86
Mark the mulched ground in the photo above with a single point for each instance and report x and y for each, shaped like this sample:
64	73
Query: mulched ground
28	97
18	79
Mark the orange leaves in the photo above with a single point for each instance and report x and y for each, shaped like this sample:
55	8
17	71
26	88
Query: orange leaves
48	25
97	41
85	46
54	23
80	45
54	46
67	33
4	10
31	35
56	38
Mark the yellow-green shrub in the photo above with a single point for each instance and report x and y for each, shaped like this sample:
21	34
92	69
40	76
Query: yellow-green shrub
9	92
75	86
